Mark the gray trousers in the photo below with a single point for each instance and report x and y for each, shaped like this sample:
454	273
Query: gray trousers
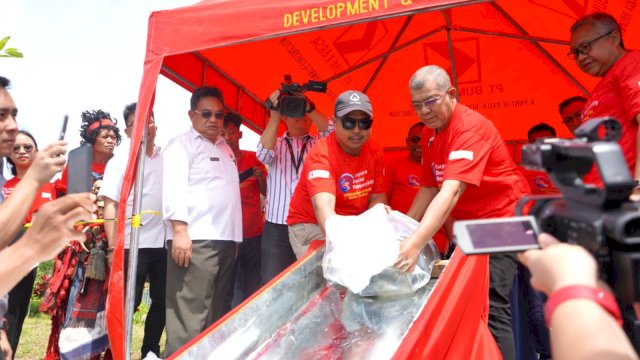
195	294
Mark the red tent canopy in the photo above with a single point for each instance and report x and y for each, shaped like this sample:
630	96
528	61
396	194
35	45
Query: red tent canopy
506	57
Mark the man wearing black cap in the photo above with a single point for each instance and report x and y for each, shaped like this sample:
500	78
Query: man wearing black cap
343	174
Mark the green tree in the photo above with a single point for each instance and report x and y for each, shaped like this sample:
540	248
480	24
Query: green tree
8	52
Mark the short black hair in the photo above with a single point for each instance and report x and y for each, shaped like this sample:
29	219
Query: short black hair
541	127
604	22
232	118
14	171
205	91
567	102
91	116
4	82
418	124
131	110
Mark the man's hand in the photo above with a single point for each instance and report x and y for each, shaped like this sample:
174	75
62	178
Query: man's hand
48	162
558	265
408	255
258	172
181	248
53	228
274	100
5	347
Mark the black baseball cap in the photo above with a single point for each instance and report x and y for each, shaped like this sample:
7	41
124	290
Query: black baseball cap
351	100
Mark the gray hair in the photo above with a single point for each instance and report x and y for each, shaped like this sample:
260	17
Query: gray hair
431	73
603	22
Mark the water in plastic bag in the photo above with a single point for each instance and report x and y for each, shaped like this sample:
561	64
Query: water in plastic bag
361	250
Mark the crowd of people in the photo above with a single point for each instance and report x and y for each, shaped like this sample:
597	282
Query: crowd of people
225	221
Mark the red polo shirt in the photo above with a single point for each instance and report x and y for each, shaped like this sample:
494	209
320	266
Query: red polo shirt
352	179
471	150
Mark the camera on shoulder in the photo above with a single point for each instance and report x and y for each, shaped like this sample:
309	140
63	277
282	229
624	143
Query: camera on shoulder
291	102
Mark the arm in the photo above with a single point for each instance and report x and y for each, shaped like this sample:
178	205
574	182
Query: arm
52	229
260	173
377	199
47	163
434	217
324	205
321	121
5	347
110	211
270	133
559	265
421	202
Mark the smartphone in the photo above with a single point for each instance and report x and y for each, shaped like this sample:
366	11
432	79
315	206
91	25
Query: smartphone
79	178
64	127
488	236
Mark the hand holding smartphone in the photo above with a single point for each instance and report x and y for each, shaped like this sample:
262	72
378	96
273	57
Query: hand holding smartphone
501	235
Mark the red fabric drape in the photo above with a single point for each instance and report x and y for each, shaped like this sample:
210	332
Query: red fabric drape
453	325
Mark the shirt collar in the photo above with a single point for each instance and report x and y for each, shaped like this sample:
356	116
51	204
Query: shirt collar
197	135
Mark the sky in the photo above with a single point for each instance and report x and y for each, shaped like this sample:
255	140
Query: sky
86	55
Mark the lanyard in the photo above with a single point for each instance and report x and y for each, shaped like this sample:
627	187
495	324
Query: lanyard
297	162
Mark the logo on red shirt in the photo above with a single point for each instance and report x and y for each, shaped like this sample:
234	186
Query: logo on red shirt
413	180
541	182
345	182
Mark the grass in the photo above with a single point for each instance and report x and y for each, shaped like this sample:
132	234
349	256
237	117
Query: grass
36	329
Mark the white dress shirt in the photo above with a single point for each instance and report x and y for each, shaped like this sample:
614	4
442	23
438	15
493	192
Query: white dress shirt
201	187
283	178
152	232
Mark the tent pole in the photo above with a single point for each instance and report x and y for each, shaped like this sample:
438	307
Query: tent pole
376	58
544	52
510	36
454	72
391	47
134	243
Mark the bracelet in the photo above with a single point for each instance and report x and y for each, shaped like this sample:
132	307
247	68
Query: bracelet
110	250
603	298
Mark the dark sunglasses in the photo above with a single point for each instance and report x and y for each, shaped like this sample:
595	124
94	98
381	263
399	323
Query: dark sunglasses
350	123
27	148
415	139
207	114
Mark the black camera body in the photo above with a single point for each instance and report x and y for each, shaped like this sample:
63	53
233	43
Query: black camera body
291	102
599	218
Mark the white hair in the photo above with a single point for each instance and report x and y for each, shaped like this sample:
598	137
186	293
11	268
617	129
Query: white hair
430	73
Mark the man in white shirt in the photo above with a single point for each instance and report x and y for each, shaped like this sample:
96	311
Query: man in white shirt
284	156
152	256
201	200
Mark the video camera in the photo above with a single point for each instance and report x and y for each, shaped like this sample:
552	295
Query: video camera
291	102
599	218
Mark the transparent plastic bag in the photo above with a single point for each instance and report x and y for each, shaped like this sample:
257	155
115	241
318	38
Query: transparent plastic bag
361	250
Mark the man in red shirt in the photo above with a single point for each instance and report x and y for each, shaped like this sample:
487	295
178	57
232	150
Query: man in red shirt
246	277
539	181
571	111
468	173
343	173
598	50
402	173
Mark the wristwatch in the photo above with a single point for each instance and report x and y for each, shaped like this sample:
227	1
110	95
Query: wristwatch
4	324
636	184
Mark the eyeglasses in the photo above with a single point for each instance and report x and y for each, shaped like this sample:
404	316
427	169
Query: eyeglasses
207	114
585	48
415	139
27	148
350	123
576	116
429	103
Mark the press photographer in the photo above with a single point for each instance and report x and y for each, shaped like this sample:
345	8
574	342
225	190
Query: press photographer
284	156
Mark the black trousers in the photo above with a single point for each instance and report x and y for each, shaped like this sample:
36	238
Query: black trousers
19	298
277	253
152	262
502	269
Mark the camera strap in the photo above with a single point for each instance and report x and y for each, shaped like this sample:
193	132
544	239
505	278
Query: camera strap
297	162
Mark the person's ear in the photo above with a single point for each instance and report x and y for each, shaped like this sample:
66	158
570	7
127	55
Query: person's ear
452	93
